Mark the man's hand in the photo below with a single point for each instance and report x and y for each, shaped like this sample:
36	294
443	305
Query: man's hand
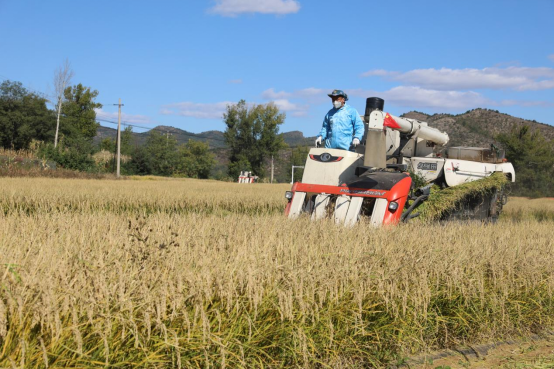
355	142
318	141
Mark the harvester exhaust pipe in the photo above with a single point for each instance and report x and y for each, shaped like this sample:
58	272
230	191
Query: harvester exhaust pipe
371	104
375	143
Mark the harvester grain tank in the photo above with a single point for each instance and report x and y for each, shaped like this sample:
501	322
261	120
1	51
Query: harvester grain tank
374	181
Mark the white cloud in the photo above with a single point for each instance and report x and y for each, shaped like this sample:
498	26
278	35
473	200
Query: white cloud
236	81
376	72
405	96
546	84
297	103
310	94
419	98
439	100
232	8
285	105
282	99
216	110
270	94
294	109
313	94
515	78
126	118
196	110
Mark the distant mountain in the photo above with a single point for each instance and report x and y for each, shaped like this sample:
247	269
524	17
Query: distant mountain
296	138
478	127
214	138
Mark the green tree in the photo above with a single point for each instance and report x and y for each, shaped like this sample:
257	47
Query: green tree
108	144
162	153
78	123
252	135
195	160
533	158
298	158
127	141
69	157
23	117
140	162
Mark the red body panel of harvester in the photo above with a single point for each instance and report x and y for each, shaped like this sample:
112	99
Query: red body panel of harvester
397	193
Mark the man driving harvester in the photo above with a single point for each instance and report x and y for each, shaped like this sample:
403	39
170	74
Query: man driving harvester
342	126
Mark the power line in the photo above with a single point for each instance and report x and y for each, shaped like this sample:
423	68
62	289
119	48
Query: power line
125	123
164	130
183	133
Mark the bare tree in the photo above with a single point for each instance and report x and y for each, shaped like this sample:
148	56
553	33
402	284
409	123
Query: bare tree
62	78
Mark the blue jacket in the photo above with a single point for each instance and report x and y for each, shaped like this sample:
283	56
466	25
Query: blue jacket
340	127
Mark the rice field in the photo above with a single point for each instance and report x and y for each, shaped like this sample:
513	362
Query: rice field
165	273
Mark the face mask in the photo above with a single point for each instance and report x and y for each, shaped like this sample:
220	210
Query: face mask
337	104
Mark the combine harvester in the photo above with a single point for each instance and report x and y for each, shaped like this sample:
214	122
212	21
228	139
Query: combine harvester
374	181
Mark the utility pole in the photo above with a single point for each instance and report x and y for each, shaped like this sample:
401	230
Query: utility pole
118	138
271	168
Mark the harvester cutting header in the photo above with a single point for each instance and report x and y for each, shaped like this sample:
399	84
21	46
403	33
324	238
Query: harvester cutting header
369	176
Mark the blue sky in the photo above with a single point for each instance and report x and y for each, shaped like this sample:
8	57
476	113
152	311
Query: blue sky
179	63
